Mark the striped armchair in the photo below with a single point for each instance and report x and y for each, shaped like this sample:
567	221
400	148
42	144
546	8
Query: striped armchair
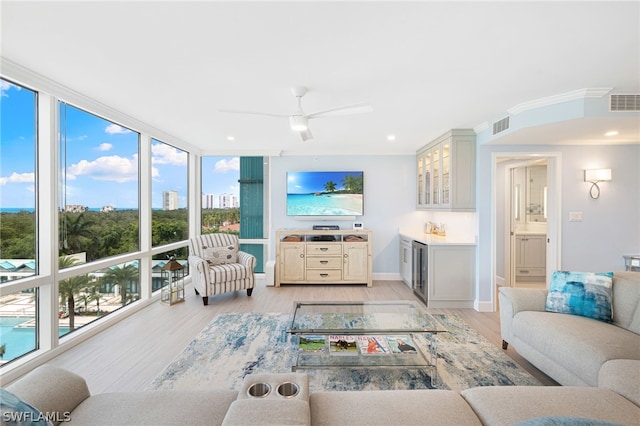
218	266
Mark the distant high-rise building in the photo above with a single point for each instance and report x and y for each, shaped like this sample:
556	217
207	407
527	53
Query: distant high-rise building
170	200
228	201
209	201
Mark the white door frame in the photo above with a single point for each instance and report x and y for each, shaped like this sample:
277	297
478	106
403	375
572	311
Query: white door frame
554	208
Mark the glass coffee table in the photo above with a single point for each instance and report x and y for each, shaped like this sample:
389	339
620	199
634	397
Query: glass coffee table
364	335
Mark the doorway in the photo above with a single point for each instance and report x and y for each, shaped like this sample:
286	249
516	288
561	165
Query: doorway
527	224
509	169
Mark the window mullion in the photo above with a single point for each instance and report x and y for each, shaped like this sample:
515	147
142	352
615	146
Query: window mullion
47	208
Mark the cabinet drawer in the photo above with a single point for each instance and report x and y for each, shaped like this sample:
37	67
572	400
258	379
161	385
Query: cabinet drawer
530	272
321	249
324	262
322	275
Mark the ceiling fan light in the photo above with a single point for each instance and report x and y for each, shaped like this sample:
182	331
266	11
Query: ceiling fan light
298	123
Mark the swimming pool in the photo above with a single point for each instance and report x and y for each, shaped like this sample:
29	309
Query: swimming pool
19	340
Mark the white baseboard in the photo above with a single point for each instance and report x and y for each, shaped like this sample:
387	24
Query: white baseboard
387	276
483	306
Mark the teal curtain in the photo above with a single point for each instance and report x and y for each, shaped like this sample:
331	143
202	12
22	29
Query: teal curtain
252	206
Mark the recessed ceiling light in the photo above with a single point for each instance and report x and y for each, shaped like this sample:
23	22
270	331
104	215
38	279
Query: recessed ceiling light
612	133
391	137
231	138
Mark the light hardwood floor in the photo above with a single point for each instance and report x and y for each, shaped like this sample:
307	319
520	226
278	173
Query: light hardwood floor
130	354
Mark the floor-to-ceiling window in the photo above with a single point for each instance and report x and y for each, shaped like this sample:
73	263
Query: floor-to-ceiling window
99	214
18	219
169	203
90	242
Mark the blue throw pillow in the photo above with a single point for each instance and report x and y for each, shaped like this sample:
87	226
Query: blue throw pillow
564	421
15	411
587	294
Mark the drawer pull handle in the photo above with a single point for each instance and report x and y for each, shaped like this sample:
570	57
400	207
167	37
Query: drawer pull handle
301	255
324	275
324	262
324	248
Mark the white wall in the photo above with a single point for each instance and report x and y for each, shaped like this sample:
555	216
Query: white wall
611	225
389	201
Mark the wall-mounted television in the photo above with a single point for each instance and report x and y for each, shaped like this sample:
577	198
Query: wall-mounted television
320	193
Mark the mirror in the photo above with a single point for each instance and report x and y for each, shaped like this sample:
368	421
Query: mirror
536	198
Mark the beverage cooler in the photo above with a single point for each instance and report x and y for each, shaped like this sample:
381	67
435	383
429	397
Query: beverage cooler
419	270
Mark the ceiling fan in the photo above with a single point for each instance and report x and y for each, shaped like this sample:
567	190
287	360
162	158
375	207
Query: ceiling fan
299	121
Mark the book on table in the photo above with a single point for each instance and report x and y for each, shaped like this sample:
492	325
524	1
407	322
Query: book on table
343	345
372	345
312	343
401	344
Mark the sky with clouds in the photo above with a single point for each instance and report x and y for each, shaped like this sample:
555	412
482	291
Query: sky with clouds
101	159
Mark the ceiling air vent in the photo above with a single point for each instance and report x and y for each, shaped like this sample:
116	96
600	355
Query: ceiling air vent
625	103
501	125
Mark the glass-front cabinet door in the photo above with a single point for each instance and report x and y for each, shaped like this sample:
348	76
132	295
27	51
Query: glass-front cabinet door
436	176
446	168
427	178
425	181
446	172
420	183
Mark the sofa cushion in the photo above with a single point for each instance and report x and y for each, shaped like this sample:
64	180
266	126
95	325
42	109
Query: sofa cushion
154	408
506	405
581	345
41	388
626	300
221	255
623	377
581	293
565	421
398	407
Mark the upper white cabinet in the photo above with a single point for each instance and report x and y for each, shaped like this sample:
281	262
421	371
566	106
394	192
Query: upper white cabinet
446	172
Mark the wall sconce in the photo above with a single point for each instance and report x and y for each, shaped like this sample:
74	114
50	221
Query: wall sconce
594	176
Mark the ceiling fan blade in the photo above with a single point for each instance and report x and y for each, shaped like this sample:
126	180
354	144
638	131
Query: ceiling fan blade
358	108
306	135
236	111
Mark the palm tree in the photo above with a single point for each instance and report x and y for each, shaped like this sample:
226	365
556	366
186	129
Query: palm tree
330	186
352	184
73	229
95	295
121	276
71	287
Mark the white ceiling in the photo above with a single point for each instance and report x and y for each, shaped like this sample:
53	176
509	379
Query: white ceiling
426	67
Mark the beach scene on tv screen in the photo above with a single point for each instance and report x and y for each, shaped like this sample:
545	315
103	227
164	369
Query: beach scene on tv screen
325	194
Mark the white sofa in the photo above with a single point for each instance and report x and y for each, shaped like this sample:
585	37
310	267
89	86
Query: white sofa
64	397
571	349
212	273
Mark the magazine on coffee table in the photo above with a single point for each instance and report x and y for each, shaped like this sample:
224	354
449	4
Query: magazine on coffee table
372	345
343	345
312	343
401	344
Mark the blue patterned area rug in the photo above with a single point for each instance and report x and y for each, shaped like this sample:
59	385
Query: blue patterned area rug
233	346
